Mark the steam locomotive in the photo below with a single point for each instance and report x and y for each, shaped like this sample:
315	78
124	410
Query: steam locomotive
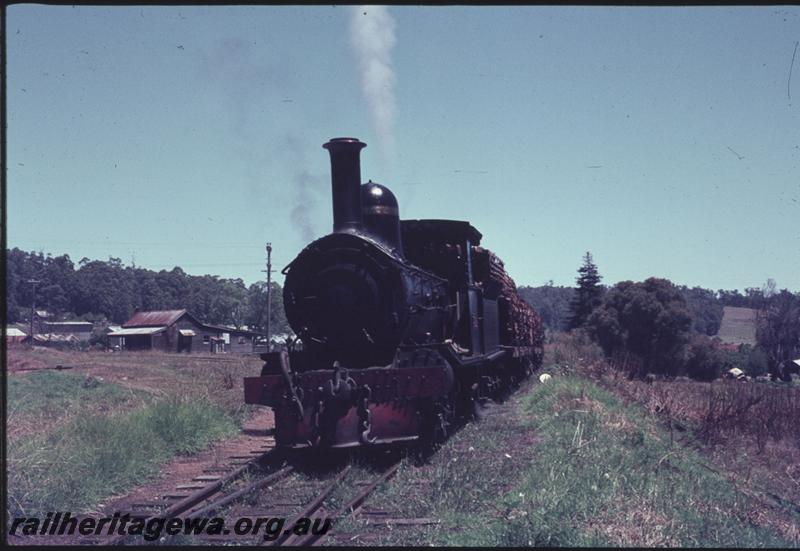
405	325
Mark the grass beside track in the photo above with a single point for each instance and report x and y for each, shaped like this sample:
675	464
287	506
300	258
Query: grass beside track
41	401
569	464
112	440
50	392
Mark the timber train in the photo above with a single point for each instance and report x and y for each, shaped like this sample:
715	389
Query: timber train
405	325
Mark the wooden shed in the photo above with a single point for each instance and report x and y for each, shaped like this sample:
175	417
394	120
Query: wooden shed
179	331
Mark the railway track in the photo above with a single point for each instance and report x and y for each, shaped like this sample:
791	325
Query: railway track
267	483
293	495
263	485
187	497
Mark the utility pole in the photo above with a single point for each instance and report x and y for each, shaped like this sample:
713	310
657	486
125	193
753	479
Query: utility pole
269	296
34	282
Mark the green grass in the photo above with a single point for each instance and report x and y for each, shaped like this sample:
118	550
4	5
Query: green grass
93	456
599	473
51	392
605	474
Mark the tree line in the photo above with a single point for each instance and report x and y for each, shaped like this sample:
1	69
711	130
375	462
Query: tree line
665	327
554	303
657	327
97	290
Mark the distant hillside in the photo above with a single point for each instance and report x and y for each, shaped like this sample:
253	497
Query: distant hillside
738	325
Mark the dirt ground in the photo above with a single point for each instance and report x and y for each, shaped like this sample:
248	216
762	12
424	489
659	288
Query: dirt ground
154	372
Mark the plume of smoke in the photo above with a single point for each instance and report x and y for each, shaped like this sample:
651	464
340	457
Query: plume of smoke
372	36
306	187
238	74
304	204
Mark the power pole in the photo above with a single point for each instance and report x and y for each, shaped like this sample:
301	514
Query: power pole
34	282
269	296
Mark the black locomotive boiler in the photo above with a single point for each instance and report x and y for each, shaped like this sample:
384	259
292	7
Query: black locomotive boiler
404	324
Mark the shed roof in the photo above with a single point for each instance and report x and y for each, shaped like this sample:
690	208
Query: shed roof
158	317
137	331
73	325
232	330
14	332
53	337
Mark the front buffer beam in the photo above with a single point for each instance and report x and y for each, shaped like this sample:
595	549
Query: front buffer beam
341	408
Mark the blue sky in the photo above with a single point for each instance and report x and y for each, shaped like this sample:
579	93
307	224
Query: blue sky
663	140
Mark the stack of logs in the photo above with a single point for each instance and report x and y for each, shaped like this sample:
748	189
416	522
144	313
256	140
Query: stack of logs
520	324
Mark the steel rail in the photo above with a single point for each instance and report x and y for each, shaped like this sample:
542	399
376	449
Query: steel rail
200	495
350	506
230	498
309	509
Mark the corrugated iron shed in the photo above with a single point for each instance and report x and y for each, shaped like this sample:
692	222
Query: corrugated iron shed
149	319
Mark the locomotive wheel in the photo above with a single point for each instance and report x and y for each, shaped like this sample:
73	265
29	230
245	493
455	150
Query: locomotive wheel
477	410
440	429
438	418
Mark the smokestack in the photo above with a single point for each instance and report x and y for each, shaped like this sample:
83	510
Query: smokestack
346	182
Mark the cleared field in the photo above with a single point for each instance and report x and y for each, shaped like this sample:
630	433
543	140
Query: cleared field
156	373
738	326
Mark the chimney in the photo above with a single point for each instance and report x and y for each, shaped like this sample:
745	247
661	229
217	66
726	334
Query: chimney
346	182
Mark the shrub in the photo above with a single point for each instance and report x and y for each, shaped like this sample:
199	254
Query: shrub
568	352
752	360
705	360
648	319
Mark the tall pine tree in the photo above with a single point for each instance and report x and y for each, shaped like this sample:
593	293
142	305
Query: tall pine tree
588	295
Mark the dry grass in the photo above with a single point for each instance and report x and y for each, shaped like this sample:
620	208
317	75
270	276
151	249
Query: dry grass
748	430
635	524
722	410
218	377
